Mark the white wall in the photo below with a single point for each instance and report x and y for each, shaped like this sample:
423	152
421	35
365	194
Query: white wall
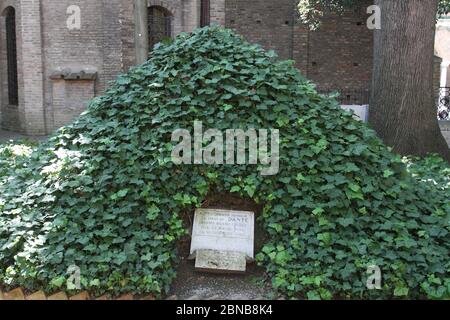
361	112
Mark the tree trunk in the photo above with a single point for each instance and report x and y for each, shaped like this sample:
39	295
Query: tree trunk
403	108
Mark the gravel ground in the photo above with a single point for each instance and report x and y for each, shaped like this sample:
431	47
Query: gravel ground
193	285
6	136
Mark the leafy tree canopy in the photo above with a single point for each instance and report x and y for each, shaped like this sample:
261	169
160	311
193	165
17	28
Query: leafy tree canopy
312	10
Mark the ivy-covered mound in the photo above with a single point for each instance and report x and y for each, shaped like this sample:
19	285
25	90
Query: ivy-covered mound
104	195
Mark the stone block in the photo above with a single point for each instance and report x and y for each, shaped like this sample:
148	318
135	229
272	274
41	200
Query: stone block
58	296
38	296
224	230
81	296
16	294
221	261
126	297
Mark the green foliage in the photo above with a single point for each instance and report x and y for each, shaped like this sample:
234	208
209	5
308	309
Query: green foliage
104	195
431	171
311	11
444	7
13	155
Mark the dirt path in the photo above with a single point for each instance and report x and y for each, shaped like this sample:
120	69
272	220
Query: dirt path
192	285
6	136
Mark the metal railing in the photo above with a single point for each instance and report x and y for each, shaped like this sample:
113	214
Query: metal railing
362	97
444	104
349	96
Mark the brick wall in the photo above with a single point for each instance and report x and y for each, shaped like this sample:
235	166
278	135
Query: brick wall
268	23
72	49
338	55
28	116
218	12
105	44
69	100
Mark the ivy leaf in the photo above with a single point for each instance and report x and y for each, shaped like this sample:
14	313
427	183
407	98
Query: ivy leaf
235	189
250	190
313	295
325	238
153	212
318	211
58	282
388	173
94	283
345	222
227	107
401	291
276	226
120	194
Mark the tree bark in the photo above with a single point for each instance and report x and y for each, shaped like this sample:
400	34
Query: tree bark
403	108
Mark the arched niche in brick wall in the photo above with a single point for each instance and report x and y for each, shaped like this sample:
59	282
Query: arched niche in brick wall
23	113
184	16
11	56
11	112
170	6
154	21
160	25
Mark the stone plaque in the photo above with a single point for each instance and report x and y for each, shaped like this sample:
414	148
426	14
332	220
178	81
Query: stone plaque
224	230
221	261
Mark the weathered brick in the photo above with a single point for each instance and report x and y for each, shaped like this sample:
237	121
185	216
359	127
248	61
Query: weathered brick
126	297
40	295
337	55
81	296
16	294
58	296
